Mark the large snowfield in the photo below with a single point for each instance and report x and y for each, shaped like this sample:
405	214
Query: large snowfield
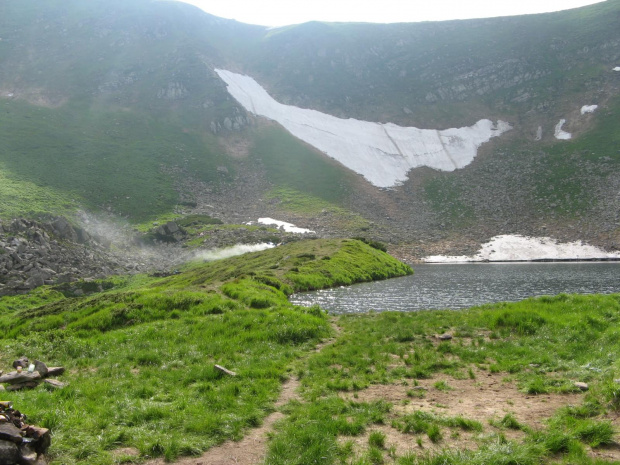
521	248
382	153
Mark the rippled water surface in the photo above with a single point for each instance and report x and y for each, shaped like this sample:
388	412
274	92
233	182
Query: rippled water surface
464	285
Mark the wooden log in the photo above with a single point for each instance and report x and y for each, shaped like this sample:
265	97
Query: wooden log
225	371
15	377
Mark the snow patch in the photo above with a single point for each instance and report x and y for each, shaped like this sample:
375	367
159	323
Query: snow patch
538	133
559	134
287	227
382	153
240	249
588	109
520	248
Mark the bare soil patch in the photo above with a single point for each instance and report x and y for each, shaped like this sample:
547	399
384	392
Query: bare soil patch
484	398
400	444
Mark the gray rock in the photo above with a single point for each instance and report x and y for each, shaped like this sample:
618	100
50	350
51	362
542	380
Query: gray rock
9	453
582	386
9	432
28	454
32	282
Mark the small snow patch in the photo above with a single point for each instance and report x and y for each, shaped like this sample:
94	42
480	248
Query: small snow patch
559	134
520	248
288	227
588	109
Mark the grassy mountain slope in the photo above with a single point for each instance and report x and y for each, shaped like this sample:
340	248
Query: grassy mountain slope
446	74
98	99
115	106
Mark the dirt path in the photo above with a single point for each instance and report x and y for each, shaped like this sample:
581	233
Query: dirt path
252	449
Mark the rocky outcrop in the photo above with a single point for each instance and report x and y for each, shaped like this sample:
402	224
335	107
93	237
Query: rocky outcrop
170	232
33	254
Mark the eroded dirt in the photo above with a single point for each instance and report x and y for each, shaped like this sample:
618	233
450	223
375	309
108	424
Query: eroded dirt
484	398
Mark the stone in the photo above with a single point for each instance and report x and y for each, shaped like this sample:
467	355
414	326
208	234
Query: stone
54	383
9	453
64	230
15	377
444	337
20	386
21	362
33	282
54	371
40	367
28	454
582	386
9	432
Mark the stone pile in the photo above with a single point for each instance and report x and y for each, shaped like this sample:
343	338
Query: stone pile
29	375
21	443
33	254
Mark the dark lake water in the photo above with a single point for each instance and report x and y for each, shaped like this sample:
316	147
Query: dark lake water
464	285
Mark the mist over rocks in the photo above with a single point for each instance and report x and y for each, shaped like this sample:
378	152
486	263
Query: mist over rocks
61	253
34	253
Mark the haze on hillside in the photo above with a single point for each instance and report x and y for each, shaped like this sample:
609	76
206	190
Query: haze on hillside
280	13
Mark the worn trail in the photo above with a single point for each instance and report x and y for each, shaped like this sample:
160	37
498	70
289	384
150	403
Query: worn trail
252	449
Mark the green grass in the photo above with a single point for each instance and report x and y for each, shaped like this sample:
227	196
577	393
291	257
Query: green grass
22	198
294	166
140	364
101	158
140	356
542	345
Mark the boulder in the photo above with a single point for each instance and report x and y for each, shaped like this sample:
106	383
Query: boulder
63	229
170	232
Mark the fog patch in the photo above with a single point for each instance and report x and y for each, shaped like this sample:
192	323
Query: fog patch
228	252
